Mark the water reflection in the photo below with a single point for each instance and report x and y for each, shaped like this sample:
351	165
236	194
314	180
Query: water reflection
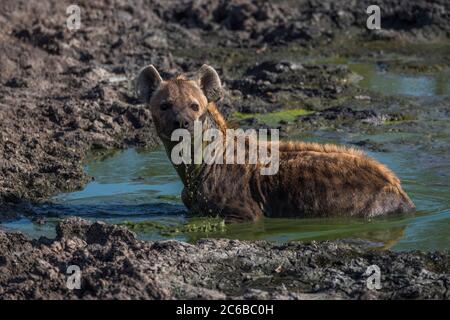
378	77
412	85
133	186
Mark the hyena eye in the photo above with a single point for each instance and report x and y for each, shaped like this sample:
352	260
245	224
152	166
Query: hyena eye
165	106
194	106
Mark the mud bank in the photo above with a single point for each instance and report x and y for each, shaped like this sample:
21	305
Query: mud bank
114	264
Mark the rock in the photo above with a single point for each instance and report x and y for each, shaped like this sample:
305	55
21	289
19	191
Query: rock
16	83
156	40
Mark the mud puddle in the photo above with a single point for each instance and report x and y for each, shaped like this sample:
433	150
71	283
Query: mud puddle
140	188
377	77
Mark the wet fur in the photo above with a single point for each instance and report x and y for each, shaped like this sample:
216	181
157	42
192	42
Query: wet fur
314	180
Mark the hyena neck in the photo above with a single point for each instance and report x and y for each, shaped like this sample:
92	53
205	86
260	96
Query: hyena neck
189	173
216	118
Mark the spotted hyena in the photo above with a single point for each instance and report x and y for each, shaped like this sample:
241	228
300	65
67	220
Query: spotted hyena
313	180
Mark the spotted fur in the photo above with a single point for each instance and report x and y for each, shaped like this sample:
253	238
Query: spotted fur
314	180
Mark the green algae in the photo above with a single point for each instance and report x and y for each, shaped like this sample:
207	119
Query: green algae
399	119
200	225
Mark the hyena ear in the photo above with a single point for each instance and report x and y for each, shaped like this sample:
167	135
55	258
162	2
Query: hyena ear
147	82
210	83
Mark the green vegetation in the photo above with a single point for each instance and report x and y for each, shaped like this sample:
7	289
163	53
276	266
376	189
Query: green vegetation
400	118
195	225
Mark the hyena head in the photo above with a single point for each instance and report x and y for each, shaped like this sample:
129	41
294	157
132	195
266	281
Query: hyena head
176	103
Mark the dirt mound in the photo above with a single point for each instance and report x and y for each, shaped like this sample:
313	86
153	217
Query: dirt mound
114	264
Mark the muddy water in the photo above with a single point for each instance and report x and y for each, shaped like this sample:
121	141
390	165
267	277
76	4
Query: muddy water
138	185
142	186
387	77
129	185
